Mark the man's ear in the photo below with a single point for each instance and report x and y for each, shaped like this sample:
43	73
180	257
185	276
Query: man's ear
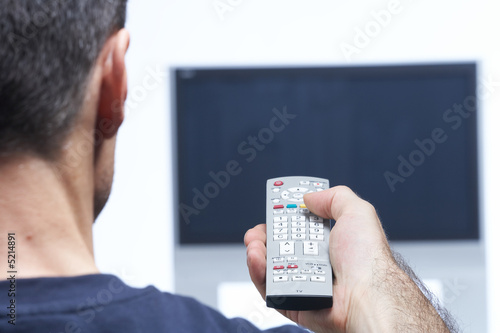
113	90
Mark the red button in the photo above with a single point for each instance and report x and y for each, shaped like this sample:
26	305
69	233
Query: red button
279	206
278	183
293	266
279	267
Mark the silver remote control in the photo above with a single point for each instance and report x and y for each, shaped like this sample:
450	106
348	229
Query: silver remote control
298	273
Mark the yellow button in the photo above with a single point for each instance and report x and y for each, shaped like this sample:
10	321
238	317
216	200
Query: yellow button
303	206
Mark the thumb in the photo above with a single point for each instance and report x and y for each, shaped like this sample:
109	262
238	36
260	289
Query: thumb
332	203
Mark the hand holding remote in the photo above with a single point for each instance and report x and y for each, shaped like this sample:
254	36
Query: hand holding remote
370	292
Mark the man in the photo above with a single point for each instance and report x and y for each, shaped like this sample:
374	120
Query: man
63	85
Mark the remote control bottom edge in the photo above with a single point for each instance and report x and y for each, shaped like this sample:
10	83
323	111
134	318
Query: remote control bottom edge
299	303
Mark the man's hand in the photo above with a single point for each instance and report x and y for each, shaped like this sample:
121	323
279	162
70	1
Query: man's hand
370	293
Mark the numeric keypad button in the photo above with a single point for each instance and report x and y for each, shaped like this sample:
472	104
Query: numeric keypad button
298	236
317	231
280	237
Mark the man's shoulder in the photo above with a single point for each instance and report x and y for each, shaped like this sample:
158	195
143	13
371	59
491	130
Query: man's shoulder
99	303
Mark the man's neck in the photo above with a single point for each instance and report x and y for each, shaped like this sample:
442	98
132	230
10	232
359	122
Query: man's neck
52	221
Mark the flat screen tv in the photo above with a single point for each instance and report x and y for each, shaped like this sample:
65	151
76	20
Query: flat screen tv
404	137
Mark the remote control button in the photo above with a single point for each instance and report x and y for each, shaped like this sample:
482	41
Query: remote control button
311	249
291	206
279	272
293	271
285	195
275	190
299	278
280	237
279	267
298	224
298	218
320	189
305	182
318	184
292	259
318	279
280	279
282	231
303	206
280	225
306	271
280	219
278	207
292	266
304	211
317	231
278	183
298	190
291	211
278	259
315	225
278	211
317	237
298	196
315	218
275	201
298	236
287	248
319	272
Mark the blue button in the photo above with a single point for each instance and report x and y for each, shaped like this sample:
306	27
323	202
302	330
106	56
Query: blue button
291	206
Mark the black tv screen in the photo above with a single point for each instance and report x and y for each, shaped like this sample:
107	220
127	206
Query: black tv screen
403	137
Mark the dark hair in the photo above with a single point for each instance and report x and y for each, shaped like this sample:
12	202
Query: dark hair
47	51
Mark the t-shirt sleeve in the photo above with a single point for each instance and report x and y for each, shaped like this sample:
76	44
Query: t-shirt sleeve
197	317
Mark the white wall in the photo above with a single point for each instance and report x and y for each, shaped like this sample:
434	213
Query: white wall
134	235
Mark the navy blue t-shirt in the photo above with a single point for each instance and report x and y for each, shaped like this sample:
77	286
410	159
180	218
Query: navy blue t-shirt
103	303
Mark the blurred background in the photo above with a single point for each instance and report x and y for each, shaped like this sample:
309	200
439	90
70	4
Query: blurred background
136	236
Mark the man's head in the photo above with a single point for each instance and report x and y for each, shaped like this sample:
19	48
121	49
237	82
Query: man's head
62	77
47	50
